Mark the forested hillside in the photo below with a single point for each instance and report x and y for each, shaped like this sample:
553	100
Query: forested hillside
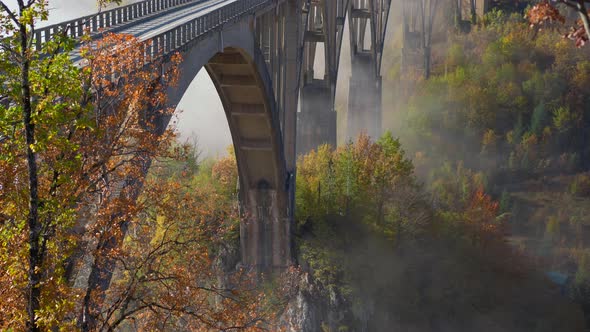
388	255
506	110
470	213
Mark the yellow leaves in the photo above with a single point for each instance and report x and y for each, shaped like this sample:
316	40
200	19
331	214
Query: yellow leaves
354	177
225	171
27	16
582	76
489	141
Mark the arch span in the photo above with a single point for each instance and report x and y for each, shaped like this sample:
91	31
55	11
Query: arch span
239	72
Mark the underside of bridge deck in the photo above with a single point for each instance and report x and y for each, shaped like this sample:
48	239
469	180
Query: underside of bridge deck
265	231
240	71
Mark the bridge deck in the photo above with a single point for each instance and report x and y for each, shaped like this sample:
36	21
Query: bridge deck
151	28
146	29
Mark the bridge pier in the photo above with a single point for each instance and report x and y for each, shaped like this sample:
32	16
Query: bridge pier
265	233
317	119
323	25
368	24
364	99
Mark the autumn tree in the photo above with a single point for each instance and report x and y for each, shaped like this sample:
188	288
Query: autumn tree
75	209
128	105
482	220
547	12
71	136
364	180
169	275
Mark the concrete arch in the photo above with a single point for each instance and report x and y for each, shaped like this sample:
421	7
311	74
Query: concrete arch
239	72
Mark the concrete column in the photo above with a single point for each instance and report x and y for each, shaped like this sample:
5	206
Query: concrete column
317	119
266	233
292	63
364	100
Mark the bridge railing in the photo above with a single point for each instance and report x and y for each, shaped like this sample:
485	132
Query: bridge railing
107	19
170	41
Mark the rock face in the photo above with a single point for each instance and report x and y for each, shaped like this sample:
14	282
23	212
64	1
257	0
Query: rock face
227	262
315	308
228	257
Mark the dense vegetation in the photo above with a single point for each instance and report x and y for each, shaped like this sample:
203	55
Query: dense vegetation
451	227
389	258
513	97
506	109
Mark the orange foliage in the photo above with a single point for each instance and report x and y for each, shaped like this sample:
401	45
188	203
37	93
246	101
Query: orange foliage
87	150
481	218
168	274
226	172
545	12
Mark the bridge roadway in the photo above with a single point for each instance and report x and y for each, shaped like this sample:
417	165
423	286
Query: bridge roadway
147	28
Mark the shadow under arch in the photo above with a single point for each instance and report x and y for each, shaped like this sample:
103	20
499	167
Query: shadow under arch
239	73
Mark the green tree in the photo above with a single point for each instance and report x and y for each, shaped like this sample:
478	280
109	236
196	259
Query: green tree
538	119
505	202
41	93
564	119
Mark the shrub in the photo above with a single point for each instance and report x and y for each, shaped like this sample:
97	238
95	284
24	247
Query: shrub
580	186
505	202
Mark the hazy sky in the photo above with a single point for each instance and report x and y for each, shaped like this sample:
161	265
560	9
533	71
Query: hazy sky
201	110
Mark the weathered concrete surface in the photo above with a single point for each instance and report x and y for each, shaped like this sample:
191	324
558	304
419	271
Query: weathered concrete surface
324	27
317	119
368	24
239	73
364	100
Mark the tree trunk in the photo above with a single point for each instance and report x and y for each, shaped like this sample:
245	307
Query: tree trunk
584	16
458	18
35	252
427	62
380	216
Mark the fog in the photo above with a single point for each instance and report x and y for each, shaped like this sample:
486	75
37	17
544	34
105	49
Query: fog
201	114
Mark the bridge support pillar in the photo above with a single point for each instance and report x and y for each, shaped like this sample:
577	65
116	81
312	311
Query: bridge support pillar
368	24
317	119
266	232
364	100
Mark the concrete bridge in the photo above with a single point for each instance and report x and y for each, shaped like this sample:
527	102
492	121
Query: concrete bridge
260	55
